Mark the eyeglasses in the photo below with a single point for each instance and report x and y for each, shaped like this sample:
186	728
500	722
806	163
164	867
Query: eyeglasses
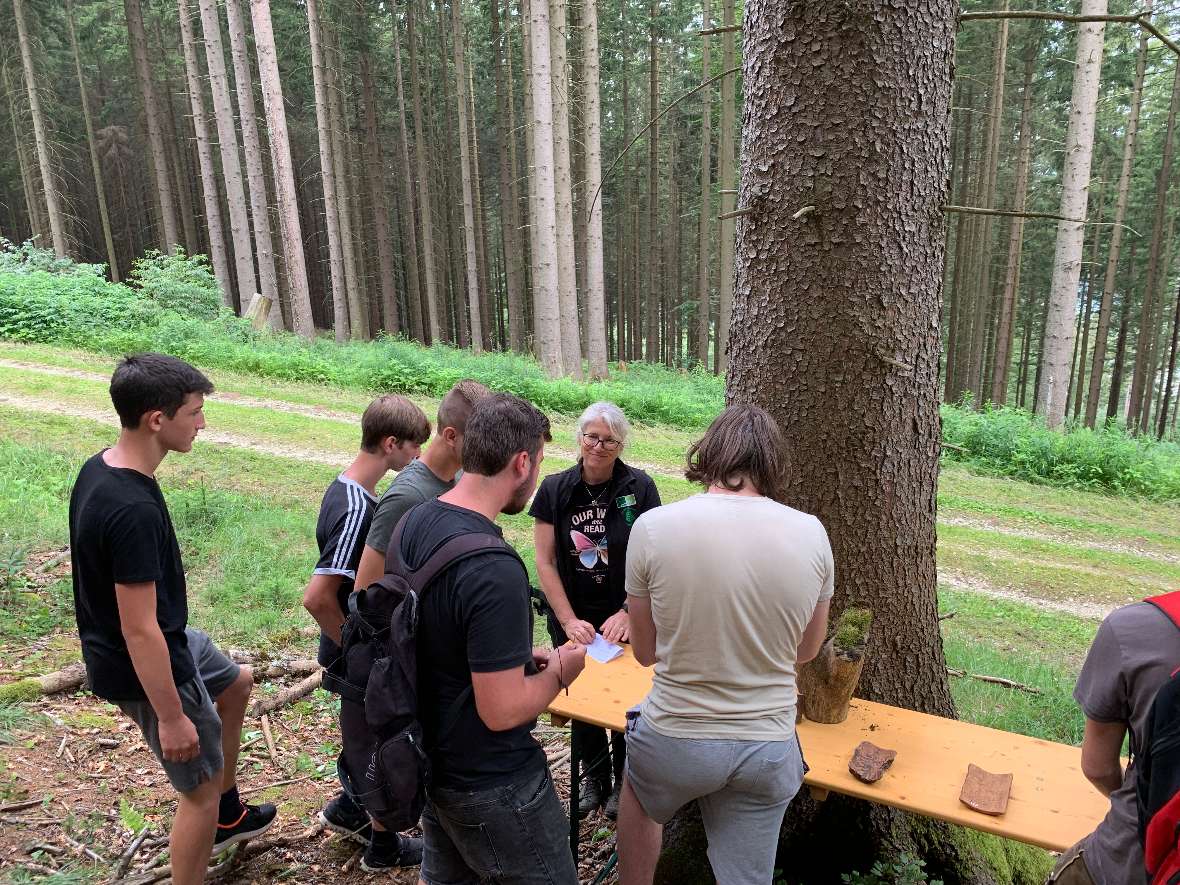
590	440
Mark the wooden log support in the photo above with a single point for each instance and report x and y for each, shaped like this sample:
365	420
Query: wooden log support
826	684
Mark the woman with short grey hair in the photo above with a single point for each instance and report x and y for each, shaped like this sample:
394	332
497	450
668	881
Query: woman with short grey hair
583	520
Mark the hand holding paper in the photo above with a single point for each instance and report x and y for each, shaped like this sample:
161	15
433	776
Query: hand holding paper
602	651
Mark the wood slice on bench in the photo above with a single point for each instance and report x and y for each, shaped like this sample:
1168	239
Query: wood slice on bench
869	762
985	792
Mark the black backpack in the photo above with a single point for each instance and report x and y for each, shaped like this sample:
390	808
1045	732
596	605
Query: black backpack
380	653
1158	772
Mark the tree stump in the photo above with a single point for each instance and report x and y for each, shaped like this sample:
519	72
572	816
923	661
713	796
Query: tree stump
826	684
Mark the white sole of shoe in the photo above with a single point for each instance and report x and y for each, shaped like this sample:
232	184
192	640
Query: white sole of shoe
219	847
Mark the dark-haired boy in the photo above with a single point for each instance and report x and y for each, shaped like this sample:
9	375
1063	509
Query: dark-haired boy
392	431
492	813
130	601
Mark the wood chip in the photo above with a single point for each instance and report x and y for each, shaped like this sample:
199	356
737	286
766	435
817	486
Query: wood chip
985	792
869	762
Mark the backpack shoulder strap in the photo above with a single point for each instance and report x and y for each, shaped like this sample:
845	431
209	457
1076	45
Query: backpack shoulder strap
457	548
1169	604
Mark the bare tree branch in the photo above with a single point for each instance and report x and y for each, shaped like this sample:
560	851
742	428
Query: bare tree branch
1141	20
1008	213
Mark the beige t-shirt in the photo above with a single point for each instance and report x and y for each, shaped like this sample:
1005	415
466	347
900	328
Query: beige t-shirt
733	582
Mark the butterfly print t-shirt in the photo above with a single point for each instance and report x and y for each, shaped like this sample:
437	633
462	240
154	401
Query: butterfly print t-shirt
583	531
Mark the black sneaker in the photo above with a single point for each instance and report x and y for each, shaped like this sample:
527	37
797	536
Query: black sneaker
255	820
388	851
345	817
594	793
611	808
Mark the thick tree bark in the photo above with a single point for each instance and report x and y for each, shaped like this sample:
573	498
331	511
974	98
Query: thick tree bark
294	260
264	249
1002	357
1140	379
509	215
92	149
408	224
227	141
546	277
725	175
209	190
466	161
869	432
424	207
143	74
1102	333
57	219
571	342
595	271
1067	258
340	312
706	172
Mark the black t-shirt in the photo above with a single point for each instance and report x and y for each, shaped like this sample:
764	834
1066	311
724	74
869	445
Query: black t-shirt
583	528
120	532
340	531
476	617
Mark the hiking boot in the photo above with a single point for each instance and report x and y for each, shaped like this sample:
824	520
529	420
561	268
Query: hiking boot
388	851
594	793
611	808
342	815
254	821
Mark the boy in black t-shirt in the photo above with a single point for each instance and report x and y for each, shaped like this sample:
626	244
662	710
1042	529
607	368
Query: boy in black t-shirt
492	813
132	611
392	431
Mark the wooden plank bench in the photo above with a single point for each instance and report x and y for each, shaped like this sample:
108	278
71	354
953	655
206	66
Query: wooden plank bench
1052	805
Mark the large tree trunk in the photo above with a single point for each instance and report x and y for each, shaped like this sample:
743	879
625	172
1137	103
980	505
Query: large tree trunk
294	260
340	313
505	133
1162	425
1120	346
546	277
1098	366
1067	258
1005	324
259	209
1140	379
28	184
408	224
595	272
375	179
428	257
209	190
652	296
92	149
227	141
706	173
151	109
466	161
846	356
725	176
57	219
571	342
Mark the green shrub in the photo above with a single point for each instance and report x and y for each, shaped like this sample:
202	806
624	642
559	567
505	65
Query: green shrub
181	283
29	258
45	307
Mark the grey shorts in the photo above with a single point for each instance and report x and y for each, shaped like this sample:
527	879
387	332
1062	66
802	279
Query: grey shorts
215	673
516	834
742	787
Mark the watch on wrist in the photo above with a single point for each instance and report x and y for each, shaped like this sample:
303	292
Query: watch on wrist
625	609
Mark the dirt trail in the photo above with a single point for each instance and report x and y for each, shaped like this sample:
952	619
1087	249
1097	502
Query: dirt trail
1095	611
1037	535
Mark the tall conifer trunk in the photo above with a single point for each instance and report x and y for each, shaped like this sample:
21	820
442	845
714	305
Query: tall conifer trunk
595	272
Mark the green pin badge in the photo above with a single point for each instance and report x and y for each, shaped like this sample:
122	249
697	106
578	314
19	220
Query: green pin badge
626	503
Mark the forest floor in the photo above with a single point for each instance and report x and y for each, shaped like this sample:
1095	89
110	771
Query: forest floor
1025	573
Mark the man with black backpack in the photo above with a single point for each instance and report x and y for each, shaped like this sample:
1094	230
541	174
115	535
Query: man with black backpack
491	810
1133	655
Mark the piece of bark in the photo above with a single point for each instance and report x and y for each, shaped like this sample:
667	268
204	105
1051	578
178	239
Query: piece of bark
826	685
985	792
869	762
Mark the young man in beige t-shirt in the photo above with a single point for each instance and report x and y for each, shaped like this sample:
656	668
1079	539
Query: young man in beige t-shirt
728	591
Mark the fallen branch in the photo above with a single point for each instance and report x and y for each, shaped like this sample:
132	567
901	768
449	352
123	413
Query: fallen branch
82	849
126	857
52	562
293	780
947	445
995	680
20	806
252	849
287	695
947	616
